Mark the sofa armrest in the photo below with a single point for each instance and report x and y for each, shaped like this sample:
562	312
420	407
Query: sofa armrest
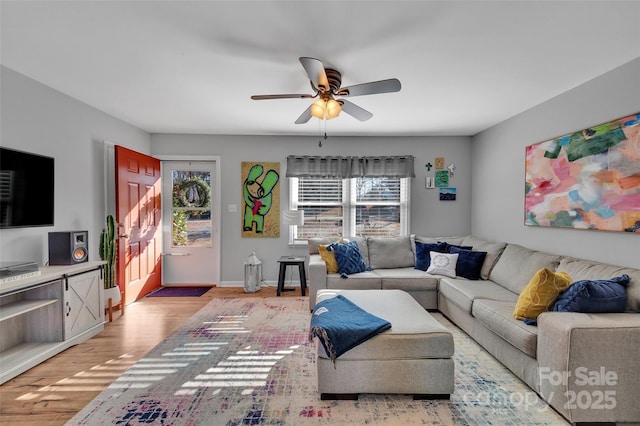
588	365
317	277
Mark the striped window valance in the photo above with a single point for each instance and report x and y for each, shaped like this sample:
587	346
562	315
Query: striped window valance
349	167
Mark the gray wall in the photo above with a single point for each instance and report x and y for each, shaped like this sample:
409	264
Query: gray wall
490	201
429	216
498	168
38	119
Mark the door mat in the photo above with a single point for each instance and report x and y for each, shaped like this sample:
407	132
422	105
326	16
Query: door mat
179	292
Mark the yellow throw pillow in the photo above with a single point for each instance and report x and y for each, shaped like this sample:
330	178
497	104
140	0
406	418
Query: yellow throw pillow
329	257
538	296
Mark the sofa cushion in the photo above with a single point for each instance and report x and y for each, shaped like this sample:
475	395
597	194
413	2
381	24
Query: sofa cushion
469	262
414	334
390	252
518	264
594	296
590	270
409	279
463	292
360	281
422	250
431	240
497	317
348	257
362	245
448	240
494	250
539	295
443	264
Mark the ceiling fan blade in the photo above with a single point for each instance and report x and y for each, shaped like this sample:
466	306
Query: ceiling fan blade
355	111
316	73
282	96
305	116
374	87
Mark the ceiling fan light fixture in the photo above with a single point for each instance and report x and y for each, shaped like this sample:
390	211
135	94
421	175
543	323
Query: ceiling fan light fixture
333	109
317	109
326	109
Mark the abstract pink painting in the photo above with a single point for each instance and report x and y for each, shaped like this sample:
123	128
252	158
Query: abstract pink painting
589	179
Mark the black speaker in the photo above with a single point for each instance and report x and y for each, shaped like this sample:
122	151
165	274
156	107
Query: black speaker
68	248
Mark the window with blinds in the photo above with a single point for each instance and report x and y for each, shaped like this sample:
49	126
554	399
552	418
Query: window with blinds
323	203
369	206
378	205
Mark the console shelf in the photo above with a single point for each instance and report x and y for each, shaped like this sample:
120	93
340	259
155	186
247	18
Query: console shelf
13	309
44	315
25	352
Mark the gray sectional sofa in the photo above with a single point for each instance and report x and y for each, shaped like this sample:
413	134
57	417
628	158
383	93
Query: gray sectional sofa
586	366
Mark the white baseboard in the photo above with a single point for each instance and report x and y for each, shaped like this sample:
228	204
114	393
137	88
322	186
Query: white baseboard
273	284
231	284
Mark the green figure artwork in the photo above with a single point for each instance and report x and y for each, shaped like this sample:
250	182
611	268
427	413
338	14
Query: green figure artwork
261	202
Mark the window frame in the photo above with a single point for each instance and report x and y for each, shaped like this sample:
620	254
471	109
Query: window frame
349	205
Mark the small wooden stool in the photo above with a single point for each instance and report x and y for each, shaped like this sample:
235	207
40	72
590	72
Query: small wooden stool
291	261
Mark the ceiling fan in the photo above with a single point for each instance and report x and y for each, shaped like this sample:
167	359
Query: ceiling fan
326	84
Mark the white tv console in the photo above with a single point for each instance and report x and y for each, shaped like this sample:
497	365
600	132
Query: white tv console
44	315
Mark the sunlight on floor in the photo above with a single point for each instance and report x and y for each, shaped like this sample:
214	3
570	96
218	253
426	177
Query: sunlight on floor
96	379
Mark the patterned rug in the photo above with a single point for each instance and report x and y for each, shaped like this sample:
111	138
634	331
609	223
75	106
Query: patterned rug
249	362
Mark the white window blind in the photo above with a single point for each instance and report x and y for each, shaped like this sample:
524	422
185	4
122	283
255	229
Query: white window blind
379	206
371	206
323	203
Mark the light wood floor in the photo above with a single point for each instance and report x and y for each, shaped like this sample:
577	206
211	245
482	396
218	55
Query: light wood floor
54	391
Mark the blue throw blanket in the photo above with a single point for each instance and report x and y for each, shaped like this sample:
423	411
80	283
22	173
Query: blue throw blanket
340	325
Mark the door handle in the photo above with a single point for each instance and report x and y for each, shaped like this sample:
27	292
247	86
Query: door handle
124	235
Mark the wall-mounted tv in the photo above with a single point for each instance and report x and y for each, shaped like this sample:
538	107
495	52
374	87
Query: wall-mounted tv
26	189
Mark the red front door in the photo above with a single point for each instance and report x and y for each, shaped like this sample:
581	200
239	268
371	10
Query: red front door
138	213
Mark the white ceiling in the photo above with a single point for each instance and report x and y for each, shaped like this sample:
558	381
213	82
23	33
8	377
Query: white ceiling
191	67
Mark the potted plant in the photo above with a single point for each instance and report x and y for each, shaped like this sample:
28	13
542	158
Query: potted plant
108	253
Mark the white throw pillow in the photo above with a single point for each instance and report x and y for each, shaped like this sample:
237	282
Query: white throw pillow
443	264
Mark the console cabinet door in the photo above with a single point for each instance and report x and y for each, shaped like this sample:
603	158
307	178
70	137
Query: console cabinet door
83	307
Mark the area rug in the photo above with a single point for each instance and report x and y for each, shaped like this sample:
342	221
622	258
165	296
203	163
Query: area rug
179	292
249	362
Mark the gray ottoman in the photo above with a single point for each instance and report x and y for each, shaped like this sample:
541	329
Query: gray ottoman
413	357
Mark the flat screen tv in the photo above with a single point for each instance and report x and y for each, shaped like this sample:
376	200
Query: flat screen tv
26	189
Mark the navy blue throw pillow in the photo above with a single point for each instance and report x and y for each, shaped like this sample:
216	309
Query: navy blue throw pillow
423	259
594	296
450	246
469	262
348	258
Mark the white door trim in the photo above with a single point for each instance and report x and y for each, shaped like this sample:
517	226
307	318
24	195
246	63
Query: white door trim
217	209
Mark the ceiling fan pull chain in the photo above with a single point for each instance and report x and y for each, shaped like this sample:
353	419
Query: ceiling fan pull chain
325	134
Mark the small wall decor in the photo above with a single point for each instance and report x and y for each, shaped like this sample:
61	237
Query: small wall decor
428	182
447	194
589	179
428	166
442	178
261	199
452	168
439	163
